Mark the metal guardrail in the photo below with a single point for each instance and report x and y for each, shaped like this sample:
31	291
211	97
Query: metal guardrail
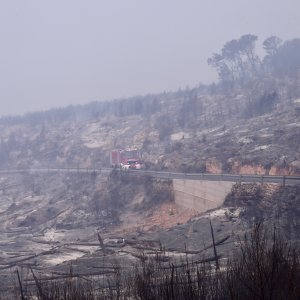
169	175
223	177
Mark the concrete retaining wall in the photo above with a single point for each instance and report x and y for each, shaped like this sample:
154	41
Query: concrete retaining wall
200	195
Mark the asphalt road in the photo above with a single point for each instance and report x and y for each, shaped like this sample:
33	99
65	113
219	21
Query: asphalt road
284	180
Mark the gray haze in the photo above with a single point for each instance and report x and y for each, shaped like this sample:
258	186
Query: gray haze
59	52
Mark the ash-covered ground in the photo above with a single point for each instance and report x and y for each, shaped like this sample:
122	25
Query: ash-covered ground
91	222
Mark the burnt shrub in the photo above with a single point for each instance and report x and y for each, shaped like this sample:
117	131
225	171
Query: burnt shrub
264	266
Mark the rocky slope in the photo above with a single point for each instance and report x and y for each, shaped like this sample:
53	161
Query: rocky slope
191	131
51	218
90	222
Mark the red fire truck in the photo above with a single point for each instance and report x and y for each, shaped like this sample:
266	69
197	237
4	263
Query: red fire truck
126	159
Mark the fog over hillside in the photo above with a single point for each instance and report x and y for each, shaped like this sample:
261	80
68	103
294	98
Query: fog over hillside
60	53
149	150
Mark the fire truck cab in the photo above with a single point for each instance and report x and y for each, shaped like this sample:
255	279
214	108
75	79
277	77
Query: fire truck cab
129	159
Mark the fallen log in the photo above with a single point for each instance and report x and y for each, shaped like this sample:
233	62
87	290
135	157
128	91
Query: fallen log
78	250
218	243
16	262
201	261
68	275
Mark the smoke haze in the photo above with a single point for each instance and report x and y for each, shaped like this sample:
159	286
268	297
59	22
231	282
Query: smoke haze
56	53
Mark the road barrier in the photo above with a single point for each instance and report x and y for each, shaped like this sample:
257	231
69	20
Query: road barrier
243	178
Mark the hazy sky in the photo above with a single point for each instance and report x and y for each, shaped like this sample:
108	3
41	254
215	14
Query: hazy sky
59	52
